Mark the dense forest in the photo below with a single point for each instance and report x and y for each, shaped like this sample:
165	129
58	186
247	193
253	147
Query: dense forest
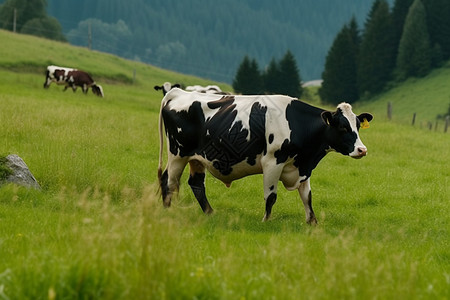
408	40
209	38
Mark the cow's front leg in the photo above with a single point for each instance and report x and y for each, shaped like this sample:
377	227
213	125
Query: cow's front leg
197	184
271	176
47	83
305	193
85	88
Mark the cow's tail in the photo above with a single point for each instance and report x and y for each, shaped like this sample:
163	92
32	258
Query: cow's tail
168	97
97	90
161	140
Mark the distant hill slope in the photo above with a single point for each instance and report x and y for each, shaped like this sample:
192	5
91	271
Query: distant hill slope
31	54
428	97
210	38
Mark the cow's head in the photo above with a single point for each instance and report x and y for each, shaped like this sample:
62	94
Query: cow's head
167	86
343	130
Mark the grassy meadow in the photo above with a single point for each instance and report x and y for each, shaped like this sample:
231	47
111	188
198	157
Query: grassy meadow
97	229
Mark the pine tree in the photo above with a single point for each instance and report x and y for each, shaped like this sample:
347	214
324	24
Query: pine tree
272	83
376	56
248	79
340	73
290	76
399	12
438	21
414	54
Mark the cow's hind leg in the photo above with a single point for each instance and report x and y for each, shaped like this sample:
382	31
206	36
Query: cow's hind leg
305	193
197	183
170	178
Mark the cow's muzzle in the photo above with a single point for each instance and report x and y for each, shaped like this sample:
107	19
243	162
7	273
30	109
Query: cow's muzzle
360	152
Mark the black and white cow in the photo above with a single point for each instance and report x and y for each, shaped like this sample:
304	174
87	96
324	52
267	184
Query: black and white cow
209	89
167	86
72	78
235	136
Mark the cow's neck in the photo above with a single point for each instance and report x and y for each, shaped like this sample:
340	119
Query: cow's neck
308	135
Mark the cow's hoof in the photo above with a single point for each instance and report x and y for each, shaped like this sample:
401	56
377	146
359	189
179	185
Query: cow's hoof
266	218
312	221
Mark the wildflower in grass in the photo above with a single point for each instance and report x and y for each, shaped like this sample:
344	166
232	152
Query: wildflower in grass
199	273
51	293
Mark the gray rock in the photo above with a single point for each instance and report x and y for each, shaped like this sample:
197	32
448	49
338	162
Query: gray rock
21	175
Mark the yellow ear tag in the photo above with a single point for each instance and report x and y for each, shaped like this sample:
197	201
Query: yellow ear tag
365	124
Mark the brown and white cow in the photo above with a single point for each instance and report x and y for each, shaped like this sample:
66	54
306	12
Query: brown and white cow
235	136
73	78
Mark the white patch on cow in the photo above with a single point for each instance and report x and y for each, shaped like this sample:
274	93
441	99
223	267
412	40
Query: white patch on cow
275	115
167	86
351	117
290	176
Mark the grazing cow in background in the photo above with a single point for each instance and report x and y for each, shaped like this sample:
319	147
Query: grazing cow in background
209	89
235	136
72	78
167	86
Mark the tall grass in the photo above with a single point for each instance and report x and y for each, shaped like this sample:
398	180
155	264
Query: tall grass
97	229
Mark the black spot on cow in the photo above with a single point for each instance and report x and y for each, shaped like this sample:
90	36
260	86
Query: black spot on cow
185	129
271	137
228	143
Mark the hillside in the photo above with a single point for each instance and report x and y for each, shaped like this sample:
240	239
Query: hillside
428	97
20	56
98	229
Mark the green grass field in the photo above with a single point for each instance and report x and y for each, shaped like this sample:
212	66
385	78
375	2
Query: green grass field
97	229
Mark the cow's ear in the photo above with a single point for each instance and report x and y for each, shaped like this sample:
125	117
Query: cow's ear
366	116
327	117
157	88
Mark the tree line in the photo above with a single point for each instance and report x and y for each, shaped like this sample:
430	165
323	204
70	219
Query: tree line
407	41
30	17
280	77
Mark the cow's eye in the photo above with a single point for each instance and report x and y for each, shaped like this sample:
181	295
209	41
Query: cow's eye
345	129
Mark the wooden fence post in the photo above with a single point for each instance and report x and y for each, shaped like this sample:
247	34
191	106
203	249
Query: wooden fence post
14	20
389	111
90	35
447	120
414	119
